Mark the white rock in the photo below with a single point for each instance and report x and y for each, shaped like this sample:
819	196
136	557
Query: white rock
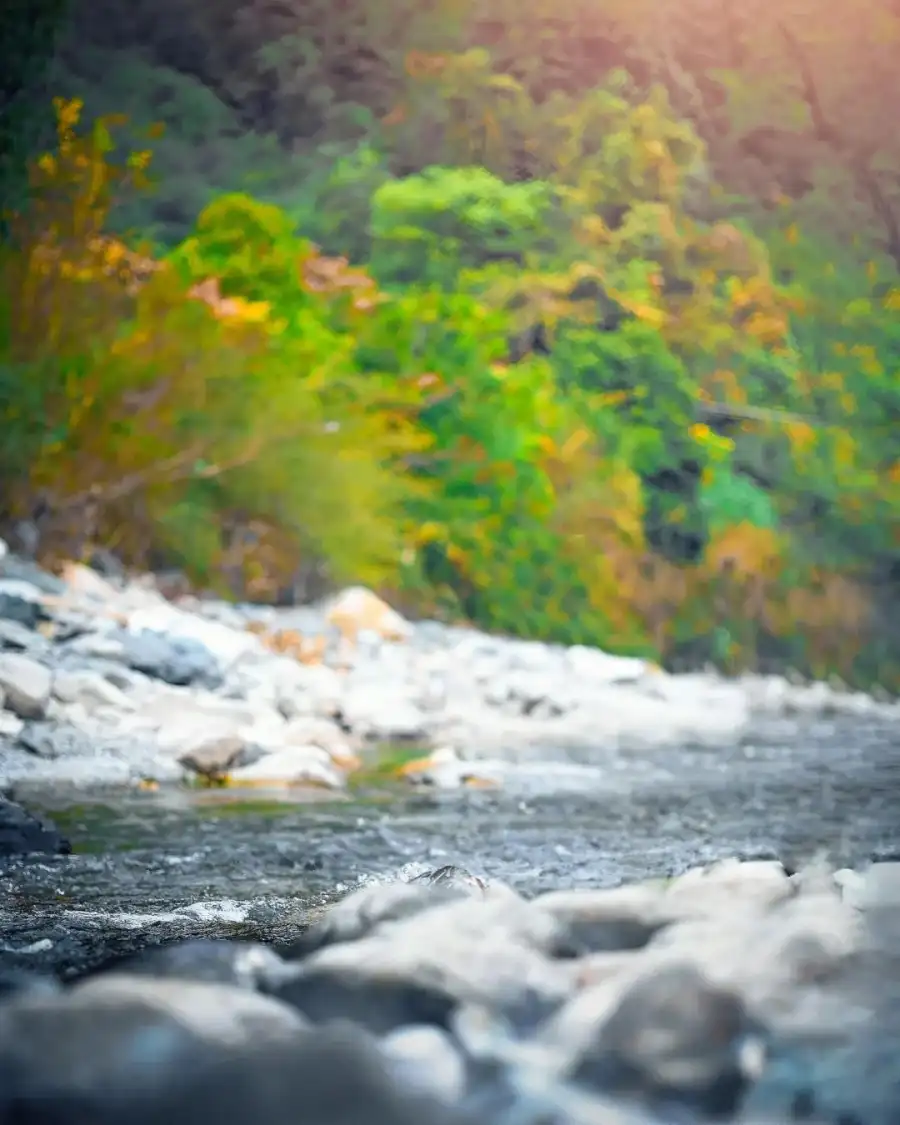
11	726
593	665
97	645
26	684
314	731
90	689
357	610
425	1057
226	644
292	765
728	884
376	712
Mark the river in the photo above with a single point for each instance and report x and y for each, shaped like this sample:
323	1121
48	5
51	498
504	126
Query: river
156	866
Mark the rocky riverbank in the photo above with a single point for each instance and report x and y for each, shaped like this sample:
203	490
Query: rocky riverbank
736	992
328	955
108	682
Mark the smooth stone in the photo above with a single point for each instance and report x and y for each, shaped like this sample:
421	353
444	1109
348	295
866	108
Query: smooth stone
26	684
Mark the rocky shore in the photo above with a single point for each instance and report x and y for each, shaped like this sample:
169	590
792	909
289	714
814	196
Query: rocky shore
732	993
107	682
534	975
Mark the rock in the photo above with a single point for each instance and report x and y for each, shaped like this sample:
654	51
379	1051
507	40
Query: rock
24	834
18	981
193	633
419	968
377	1000
183	720
623	918
595	666
11	725
675	1039
426	1058
89	689
174	659
51	740
91	1046
380	715
164	1052
322	694
26	684
102	646
214	758
22	611
707	890
292	765
314	731
451	876
16	569
17	637
356	610
243	964
361	913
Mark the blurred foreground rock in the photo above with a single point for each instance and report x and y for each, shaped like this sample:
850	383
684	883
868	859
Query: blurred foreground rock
732	993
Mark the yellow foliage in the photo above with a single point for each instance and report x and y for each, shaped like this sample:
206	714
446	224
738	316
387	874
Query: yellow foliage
744	550
802	436
148	386
891	300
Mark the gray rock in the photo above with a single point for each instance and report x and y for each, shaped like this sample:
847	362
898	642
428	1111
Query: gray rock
89	689
24	834
621	918
214	758
53	740
420	968
359	914
175	660
16	637
169	1052
243	964
18	590
674	1038
17	569
709	890
26	684
22	611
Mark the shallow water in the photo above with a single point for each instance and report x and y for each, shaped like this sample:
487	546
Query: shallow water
261	865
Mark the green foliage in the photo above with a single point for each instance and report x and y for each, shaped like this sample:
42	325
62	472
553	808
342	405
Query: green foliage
184	396
580	324
428	227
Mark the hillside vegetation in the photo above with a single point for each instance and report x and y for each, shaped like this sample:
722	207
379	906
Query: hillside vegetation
577	321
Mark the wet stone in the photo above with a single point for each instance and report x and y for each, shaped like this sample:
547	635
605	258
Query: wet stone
24	834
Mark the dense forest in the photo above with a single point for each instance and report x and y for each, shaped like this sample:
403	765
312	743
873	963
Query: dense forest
576	320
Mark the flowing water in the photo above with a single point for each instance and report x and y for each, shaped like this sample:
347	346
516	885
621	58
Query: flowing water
150	867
